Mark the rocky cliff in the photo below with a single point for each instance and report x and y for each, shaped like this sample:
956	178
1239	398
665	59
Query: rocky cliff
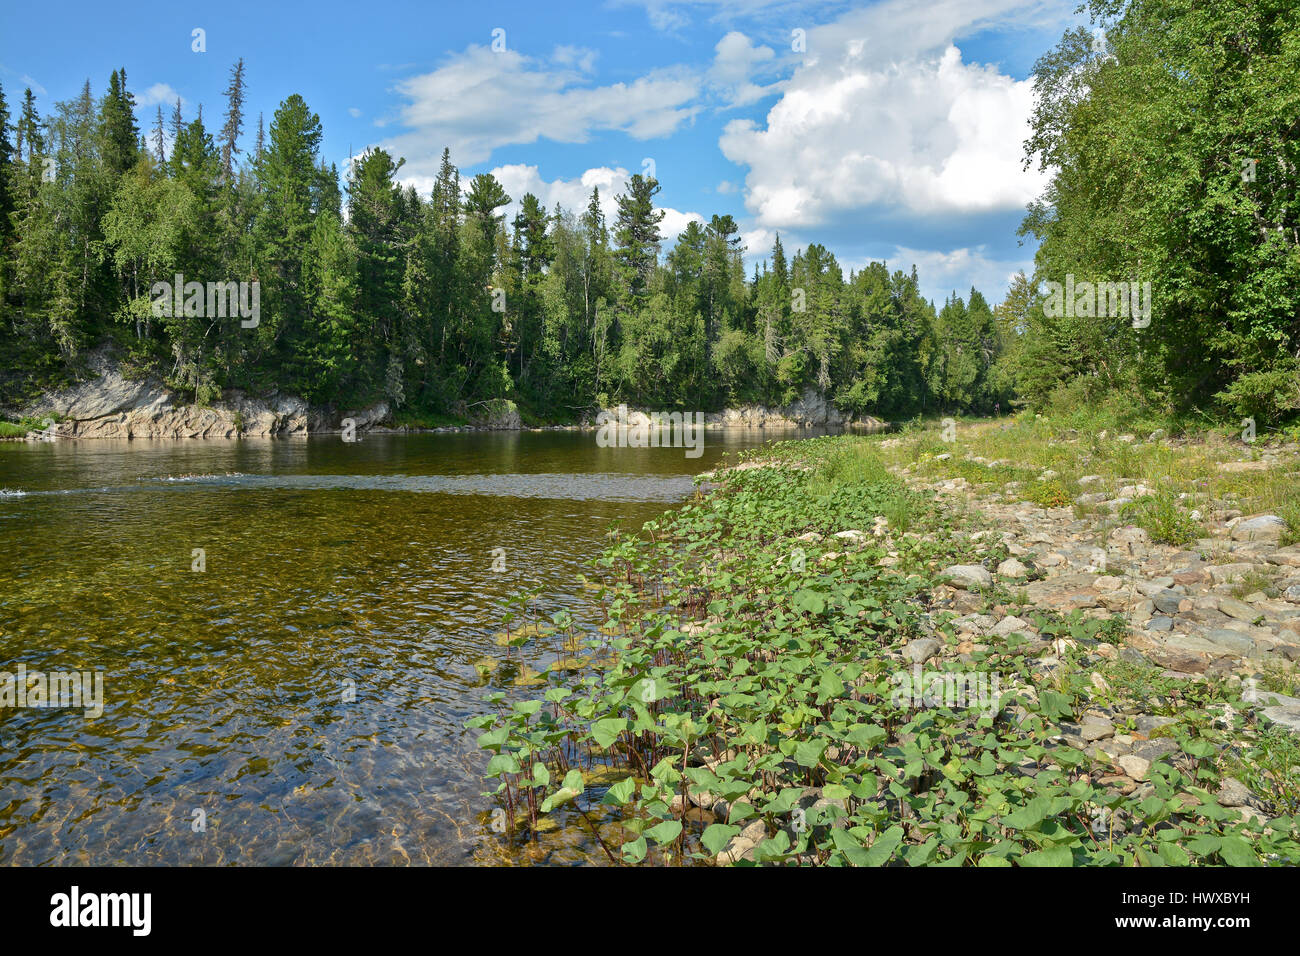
810	410
109	404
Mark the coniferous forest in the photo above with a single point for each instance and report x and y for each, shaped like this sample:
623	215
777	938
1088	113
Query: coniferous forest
1171	149
370	291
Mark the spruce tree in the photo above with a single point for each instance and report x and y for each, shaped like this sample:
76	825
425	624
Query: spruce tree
159	151
120	135
636	232
234	123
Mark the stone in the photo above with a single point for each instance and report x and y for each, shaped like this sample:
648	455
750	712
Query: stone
1286	557
1250	815
1258	695
1259	528
1153	586
1227	573
1229	640
1239	609
1133	766
1153	750
1131	538
851	535
1175	656
1011	568
1013	625
1118	782
1160	623
1191	576
969	576
1148	723
1232	793
922	649
1093	728
1290	719
1167	601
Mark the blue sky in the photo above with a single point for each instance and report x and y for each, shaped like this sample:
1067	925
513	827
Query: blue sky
889	130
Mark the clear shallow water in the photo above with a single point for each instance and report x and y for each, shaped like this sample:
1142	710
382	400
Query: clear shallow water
330	566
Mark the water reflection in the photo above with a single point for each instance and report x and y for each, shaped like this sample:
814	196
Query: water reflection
301	699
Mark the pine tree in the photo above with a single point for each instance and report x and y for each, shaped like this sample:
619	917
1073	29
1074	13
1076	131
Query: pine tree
6	179
178	121
289	179
484	198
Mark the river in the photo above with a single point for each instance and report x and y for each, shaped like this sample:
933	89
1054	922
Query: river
291	634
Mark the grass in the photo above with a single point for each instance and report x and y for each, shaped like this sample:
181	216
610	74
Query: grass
1162	517
20	428
1280	677
1271	769
1010	456
1250	582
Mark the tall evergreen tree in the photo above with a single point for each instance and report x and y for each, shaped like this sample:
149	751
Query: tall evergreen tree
636	232
159	150
234	120
119	132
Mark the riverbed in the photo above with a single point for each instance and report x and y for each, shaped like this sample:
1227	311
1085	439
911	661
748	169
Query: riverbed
291	634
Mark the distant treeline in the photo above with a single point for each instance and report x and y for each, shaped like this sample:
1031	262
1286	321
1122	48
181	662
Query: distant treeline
427	301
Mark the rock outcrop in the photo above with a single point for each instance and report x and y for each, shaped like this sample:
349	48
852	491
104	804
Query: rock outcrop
810	410
112	404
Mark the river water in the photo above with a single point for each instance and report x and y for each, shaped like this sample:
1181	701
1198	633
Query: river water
291	634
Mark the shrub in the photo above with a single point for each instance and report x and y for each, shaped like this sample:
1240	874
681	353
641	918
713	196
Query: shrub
1048	494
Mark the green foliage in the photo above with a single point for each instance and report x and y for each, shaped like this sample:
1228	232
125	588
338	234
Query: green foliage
753	671
1174	161
1268	395
1163	518
432	301
1048	494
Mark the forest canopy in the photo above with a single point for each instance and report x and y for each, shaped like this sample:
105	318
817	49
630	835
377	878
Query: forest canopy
1170	132
373	291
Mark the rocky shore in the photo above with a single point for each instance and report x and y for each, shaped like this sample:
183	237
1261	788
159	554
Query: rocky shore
1200	609
1225	606
888	653
109	404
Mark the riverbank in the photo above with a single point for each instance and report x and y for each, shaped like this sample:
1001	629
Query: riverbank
112	403
901	649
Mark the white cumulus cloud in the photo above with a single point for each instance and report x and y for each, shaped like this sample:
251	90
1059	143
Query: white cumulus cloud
883	112
956	270
736	63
